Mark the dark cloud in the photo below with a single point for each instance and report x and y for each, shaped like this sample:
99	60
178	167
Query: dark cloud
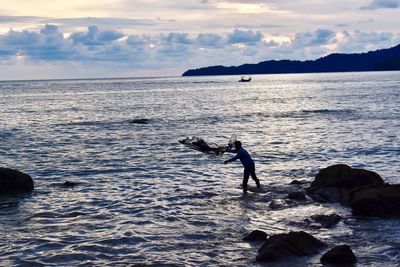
95	37
383	4
244	37
315	38
211	40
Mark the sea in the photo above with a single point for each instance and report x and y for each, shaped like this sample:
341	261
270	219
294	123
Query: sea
142	198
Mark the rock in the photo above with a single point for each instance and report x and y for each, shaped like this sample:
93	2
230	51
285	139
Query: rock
13	182
376	200
344	176
277	204
339	255
283	246
140	121
297	195
298	182
256	235
326	221
334	183
70	184
329	194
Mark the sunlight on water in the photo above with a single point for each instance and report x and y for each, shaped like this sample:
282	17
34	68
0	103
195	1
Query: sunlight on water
142	197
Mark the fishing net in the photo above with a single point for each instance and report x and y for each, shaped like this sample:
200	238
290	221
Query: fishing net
206	147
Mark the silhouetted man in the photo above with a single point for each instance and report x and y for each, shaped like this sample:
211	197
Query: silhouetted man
247	162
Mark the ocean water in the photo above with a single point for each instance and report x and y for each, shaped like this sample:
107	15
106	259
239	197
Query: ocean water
144	198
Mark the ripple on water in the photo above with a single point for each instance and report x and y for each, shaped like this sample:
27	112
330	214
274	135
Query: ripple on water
144	198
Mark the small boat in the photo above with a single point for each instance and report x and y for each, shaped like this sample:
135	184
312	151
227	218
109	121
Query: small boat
245	79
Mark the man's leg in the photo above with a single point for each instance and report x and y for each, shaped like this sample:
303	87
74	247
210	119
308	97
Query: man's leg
246	175
254	177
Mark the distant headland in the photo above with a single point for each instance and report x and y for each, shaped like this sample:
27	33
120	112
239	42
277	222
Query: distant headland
379	60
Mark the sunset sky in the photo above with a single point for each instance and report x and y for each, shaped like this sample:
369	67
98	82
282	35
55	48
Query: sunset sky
41	39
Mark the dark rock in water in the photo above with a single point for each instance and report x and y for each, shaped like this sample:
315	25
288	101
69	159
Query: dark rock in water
344	176
277	204
326	221
298	182
70	184
339	255
13	182
256	235
140	121
283	246
334	183
376	200
328	194
297	195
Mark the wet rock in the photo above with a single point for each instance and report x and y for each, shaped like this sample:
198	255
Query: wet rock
140	121
328	194
297	195
344	176
70	184
376	200
14	182
333	184
339	255
283	246
298	182
278	204
256	235
326	221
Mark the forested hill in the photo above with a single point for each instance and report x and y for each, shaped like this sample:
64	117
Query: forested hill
379	60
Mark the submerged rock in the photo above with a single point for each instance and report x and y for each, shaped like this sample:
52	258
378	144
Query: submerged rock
140	121
256	235
13	182
339	255
297	195
280	247
298	182
70	184
326	221
333	184
277	204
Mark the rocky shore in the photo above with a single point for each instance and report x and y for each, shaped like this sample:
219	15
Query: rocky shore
362	191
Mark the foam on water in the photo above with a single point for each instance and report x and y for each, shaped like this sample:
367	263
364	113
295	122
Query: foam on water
142	197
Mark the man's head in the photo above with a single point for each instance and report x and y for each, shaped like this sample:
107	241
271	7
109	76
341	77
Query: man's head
238	144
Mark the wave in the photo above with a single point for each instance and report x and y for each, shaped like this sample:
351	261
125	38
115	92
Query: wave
107	122
317	112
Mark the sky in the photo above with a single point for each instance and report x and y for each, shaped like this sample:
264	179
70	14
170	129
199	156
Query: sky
42	39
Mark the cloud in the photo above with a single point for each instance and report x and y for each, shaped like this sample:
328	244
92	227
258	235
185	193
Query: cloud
211	40
118	52
315	38
95	37
244	37
357	41
48	44
26	19
383	4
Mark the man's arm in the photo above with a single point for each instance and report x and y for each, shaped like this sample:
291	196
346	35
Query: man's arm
232	159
